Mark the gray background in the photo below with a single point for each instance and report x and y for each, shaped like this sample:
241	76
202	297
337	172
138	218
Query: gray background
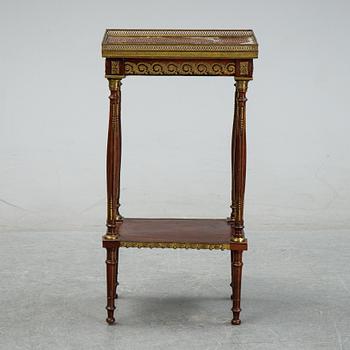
177	130
53	112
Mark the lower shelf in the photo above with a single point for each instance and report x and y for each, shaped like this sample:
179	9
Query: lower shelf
175	233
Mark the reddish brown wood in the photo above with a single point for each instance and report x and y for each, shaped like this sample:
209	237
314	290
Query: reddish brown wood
238	158
111	267
233	163
116	273
179	66
231	284
236	274
211	231
113	157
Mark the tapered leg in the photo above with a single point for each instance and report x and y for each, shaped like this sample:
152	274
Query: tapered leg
236	272
111	267
114	219
114	146
116	273
238	160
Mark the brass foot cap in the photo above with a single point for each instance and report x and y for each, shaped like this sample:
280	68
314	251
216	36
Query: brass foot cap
236	322
110	321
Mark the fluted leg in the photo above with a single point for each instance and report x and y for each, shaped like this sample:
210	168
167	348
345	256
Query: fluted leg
114	219
238	159
114	146
236	271
111	267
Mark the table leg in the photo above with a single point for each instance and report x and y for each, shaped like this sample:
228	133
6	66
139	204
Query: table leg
114	218
238	159
236	275
111	267
231	284
114	146
116	273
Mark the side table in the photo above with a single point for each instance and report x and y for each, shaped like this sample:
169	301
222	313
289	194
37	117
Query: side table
224	53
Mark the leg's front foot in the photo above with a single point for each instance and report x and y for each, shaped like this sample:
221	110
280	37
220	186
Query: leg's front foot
235	320
110	318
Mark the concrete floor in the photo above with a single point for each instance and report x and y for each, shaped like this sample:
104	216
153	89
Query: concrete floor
296	294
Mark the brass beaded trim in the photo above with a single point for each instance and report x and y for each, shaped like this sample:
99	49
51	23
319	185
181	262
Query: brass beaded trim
210	246
179	32
196	48
163	245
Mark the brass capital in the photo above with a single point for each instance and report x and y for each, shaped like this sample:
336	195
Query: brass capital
114	82
242	84
110	237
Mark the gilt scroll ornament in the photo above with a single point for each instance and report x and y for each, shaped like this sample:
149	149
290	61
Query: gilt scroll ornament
179	68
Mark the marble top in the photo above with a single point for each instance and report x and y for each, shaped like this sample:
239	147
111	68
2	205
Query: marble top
173	43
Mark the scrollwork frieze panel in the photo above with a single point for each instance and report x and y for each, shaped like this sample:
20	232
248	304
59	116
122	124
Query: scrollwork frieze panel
180	68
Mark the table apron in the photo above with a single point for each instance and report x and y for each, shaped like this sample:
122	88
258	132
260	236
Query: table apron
179	67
